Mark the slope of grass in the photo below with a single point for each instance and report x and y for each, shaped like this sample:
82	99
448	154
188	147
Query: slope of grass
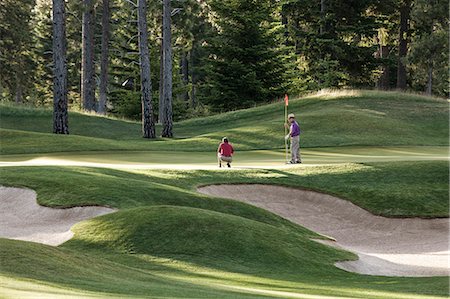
335	119
202	236
167	240
389	189
82	273
41	271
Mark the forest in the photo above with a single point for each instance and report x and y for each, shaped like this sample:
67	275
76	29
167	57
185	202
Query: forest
165	61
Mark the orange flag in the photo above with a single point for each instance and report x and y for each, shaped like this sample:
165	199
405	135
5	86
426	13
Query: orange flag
286	100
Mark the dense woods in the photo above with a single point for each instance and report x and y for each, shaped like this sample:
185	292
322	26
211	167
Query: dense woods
206	56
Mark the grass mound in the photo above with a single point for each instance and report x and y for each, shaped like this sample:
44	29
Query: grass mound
200	235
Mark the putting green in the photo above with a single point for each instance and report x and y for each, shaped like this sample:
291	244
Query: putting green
205	160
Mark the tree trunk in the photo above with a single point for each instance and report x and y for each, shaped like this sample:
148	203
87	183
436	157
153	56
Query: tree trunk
405	10
383	81
148	123
193	80
18	97
322	16
184	68
167	61
296	25
161	114
87	57
104	59
429	89
60	115
284	22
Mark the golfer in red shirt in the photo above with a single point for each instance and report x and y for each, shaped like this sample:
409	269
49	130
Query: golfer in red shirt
225	152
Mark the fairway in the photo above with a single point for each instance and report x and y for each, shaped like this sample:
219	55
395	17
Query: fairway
165	239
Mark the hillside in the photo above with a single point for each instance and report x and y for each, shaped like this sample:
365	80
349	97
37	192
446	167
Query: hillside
329	119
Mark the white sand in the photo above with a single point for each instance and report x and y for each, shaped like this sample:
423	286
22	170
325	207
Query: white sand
21	218
385	246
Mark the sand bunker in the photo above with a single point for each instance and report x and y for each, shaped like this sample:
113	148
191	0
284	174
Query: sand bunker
21	218
385	246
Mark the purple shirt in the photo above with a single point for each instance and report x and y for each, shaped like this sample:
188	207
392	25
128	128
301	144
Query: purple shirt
295	129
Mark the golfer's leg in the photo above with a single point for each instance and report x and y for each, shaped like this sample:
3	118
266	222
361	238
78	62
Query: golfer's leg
292	150
295	148
297	151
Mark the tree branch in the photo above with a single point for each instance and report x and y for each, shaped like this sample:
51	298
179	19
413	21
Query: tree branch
132	3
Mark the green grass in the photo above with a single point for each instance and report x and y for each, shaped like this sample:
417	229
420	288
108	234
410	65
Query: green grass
83	273
167	240
66	270
335	119
389	189
242	159
384	151
206	237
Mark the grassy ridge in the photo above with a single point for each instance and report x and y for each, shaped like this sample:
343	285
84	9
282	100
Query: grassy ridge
349	118
206	237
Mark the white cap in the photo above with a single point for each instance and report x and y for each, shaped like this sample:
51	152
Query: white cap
291	115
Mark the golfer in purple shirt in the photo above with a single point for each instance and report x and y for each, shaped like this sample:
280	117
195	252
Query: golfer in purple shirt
294	135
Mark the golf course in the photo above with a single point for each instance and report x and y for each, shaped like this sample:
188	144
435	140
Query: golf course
105	213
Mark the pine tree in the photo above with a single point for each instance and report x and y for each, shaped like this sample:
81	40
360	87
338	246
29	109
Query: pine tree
74	11
429	53
405	11
191	31
16	44
334	41
148	123
87	56
124	67
42	52
167	71
104	58
60	109
124	72
248	66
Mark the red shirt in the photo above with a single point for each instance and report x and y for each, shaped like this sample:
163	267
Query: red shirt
225	149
